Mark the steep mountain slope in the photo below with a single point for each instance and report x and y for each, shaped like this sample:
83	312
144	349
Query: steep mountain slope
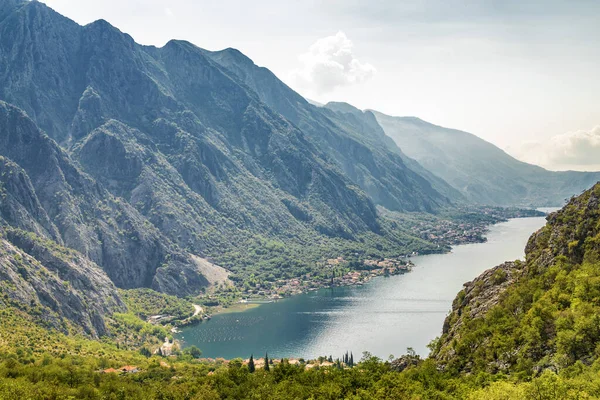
538	314
54	284
45	193
176	96
367	126
481	171
213	130
358	147
144	158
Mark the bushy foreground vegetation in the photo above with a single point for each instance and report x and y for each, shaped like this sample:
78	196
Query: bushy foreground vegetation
78	377
37	363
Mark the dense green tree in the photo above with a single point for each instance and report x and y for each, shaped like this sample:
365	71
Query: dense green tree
251	366
194	351
145	352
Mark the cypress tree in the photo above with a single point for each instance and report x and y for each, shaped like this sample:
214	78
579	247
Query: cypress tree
251	366
351	359
145	352
267	368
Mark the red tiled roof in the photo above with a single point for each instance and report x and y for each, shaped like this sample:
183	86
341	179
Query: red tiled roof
110	371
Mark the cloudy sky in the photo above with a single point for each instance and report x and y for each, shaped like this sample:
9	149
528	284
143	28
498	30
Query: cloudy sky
520	74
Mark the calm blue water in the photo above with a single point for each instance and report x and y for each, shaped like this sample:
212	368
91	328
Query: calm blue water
385	316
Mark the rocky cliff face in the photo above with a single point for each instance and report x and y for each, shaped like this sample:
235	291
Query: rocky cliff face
20	206
140	157
55	284
473	302
223	143
47	194
571	233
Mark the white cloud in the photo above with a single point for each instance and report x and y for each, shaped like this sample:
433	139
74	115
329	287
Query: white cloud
169	12
579	150
330	63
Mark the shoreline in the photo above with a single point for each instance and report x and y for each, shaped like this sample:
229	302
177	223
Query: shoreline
242	306
247	304
497	236
235	308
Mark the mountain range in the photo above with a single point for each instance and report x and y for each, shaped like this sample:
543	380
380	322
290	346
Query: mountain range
143	158
154	164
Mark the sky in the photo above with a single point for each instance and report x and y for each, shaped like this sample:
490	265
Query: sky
520	74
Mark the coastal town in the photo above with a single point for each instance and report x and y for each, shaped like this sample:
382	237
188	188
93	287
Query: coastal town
259	363
338	274
450	233
467	225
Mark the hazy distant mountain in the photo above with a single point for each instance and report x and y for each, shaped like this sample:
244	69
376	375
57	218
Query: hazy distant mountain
481	171
358	148
369	129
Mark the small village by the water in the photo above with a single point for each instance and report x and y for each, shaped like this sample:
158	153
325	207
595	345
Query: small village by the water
289	287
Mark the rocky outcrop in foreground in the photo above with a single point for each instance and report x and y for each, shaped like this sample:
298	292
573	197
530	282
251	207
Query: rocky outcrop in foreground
542	313
474	301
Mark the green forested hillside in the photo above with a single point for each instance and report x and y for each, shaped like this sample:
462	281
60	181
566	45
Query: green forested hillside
543	313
